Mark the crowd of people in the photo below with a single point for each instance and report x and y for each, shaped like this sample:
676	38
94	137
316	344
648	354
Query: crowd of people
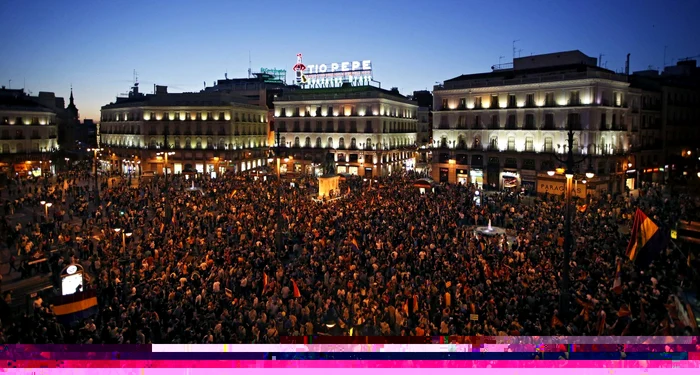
203	265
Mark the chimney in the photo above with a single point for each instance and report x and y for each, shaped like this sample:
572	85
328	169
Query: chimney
627	65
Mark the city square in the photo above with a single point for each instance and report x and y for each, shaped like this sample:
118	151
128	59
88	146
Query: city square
442	186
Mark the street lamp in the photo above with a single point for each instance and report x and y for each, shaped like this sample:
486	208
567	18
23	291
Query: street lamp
165	156
97	187
569	162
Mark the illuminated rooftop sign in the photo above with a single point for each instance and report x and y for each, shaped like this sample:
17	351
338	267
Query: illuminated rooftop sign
357	73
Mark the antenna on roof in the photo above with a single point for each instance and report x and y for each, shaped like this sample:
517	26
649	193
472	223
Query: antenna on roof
249	64
499	59
600	60
519	52
514	50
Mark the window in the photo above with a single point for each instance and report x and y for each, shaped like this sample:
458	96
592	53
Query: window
548	144
462	103
199	142
353	143
188	116
494	121
494	101
530	121
529	147
477	121
493	143
341	143
530	100
549	99
330	142
511	143
368	126
444	104
574	120
329	127
307	126
529	164
511	101
319	126
603	121
477	102
296	141
307	142
511	122
574	98
549	121
318	142
341	126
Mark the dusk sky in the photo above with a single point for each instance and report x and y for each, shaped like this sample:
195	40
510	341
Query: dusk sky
96	45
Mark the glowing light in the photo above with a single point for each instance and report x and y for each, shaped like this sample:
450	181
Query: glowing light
540	103
550	173
146	116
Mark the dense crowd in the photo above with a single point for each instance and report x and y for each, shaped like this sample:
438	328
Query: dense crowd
202	266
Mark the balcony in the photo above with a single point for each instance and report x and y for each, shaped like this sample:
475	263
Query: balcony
477	127
511	127
529	127
574	126
549	127
494	127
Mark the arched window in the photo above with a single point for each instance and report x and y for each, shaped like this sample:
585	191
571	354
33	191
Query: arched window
307	142
283	141
368	143
296	141
330	142
341	143
318	142
188	143
199	142
210	142
222	144
353	143
152	144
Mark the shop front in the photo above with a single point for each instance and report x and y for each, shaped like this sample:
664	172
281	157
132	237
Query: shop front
528	181
463	176
353	170
510	180
631	179
476	172
557	186
493	173
444	175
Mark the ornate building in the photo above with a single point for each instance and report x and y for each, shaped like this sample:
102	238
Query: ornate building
27	134
370	131
501	129
206	131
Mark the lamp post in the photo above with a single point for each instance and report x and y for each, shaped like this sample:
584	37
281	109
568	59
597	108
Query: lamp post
279	241
570	163
46	207
97	187
125	234
165	157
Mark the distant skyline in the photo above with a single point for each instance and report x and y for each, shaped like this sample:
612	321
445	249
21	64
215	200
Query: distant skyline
96	46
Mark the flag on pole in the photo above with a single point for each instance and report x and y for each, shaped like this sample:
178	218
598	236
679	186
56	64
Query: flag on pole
354	245
617	285
647	240
296	292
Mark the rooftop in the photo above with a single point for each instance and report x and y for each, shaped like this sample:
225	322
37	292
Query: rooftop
186	99
552	67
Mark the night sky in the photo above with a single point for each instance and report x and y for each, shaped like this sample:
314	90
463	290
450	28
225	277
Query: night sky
96	45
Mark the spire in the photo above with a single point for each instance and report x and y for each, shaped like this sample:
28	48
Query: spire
71	95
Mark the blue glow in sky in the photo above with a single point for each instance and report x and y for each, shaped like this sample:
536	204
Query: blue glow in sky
96	45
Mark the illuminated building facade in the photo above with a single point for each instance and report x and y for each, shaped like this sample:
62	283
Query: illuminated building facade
28	134
500	129
370	131
207	131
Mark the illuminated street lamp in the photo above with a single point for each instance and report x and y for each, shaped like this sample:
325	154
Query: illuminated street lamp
46	207
97	187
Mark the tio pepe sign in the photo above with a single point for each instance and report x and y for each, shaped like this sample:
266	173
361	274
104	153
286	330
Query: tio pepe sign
346	66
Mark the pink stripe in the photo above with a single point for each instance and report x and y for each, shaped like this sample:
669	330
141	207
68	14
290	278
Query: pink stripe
687	364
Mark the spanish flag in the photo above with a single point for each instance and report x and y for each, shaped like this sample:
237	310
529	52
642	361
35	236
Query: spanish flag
295	288
353	244
74	307
647	240
617	285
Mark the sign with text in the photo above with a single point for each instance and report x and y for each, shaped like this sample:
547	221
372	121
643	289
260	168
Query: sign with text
557	187
357	73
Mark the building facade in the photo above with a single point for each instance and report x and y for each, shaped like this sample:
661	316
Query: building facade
28	134
501	129
370	131
207	132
